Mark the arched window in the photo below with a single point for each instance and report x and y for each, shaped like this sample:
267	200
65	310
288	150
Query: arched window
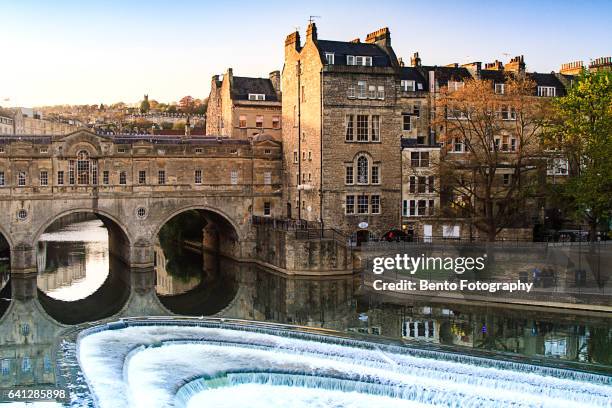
362	170
83	167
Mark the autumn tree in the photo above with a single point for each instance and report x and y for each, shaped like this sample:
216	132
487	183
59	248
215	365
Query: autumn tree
580	130
491	146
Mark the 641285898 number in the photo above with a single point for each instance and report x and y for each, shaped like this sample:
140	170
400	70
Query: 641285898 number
33	394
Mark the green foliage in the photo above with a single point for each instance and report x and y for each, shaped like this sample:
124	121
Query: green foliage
582	128
144	106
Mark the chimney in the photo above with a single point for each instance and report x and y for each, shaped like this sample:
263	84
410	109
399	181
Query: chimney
516	64
293	40
572	68
355	40
311	32
474	68
415	61
400	61
601	64
452	65
380	37
494	66
275	79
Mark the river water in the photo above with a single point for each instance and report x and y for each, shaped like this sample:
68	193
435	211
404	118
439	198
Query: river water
75	265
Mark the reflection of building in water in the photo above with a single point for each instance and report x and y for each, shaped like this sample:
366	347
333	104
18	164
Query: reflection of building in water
63	267
168	284
27	347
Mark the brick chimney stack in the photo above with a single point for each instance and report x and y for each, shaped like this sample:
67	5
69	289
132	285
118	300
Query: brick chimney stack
601	64
381	37
474	68
415	60
572	68
311	32
516	64
293	40
494	66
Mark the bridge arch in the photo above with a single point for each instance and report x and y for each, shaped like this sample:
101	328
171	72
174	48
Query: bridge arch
201	207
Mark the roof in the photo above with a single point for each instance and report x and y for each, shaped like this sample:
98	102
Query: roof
445	74
243	86
496	76
547	80
343	48
413	74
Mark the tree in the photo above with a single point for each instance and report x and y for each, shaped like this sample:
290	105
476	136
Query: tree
581	129
187	104
491	149
144	105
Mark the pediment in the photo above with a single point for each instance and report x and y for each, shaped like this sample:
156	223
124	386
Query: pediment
83	140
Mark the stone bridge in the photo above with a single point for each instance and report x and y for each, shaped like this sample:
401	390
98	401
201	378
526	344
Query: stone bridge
135	184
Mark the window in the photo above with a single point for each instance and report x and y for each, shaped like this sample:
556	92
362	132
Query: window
454	85
407	85
508	113
375	204
267	151
557	167
303	155
431	184
547	91
381	92
407	123
295	156
276	122
419	159
142	177
21	178
60	178
362	170
362	204
197	176
457	145
416	109
121	150
372	92
412	207
1	178
375	175
350	60
422	184
349	127
405	208
234	177
43	150
506	179
199	150
259	121
412	184
267	178
348	179
122	178
161	177
431	207
242	121
71	172
361	90
94	172
499	89
267	209
351	91
83	167
375	128
309	156
362	128
350	204
257	97
329	58
44	178
105	177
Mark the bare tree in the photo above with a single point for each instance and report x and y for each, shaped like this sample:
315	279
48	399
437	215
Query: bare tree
491	151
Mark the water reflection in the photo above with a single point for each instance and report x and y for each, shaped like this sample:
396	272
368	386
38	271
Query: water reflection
73	261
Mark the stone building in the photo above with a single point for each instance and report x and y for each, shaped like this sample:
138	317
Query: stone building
28	121
7	125
242	107
341	133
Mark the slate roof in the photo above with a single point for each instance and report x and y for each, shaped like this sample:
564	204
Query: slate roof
445	74
412	73
495	76
547	80
243	86
342	48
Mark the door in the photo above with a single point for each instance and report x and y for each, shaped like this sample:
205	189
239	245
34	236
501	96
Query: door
427	233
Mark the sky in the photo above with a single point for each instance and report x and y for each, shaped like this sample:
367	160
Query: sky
91	52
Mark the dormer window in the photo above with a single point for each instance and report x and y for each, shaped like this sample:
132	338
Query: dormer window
454	85
329	58
407	85
257	97
499	89
358	60
548	91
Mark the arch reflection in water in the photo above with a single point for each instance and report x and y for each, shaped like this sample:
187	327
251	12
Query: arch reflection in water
78	278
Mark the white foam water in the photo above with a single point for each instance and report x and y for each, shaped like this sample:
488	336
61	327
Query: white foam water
163	366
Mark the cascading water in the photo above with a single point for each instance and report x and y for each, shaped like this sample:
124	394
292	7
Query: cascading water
158	364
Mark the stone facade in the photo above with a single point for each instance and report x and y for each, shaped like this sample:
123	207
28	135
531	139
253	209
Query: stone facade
240	107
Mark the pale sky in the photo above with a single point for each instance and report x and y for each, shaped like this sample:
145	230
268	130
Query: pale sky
77	52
